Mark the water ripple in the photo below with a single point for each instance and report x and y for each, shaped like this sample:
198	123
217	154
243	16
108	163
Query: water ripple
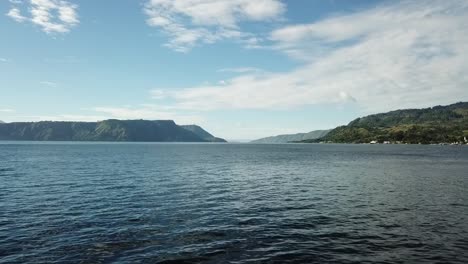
234	203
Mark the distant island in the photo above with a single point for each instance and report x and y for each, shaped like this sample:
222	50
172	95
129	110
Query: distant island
291	137
107	130
435	125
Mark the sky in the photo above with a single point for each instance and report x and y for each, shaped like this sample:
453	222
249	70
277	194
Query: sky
241	69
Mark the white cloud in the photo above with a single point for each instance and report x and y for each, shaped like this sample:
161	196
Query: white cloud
65	117
189	22
49	84
6	110
241	70
15	14
253	91
405	54
52	16
147	112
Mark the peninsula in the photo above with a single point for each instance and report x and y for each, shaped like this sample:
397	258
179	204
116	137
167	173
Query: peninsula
107	130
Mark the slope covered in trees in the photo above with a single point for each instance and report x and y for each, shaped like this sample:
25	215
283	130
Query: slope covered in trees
107	130
291	137
429	125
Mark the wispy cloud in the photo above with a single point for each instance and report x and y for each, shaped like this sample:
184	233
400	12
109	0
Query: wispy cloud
149	112
52	16
404	54
49	84
241	70
190	22
69	59
7	110
64	117
15	14
3	60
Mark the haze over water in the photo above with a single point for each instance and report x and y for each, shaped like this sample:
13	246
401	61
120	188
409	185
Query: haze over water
232	203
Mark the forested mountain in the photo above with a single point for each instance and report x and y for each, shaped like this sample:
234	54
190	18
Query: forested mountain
429	125
107	130
291	137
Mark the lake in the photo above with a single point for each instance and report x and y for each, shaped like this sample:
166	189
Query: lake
232	203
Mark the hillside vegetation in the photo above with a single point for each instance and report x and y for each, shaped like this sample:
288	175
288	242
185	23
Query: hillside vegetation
107	130
291	137
429	125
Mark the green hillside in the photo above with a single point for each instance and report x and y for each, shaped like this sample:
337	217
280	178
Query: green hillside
429	125
107	130
291	137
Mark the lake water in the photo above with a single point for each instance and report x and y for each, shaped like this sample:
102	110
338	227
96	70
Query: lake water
232	203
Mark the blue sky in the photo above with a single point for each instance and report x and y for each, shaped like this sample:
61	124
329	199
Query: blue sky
241	69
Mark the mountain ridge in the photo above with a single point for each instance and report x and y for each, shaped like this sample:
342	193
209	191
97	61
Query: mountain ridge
285	138
438	124
199	131
106	130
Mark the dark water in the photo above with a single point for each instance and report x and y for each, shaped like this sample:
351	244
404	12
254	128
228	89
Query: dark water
233	203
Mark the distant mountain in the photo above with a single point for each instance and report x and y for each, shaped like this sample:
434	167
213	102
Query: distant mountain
1	122
107	130
292	137
197	130
429	125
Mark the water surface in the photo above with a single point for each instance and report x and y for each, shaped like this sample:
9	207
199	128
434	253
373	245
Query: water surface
232	203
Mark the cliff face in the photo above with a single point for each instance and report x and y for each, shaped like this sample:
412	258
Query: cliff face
107	130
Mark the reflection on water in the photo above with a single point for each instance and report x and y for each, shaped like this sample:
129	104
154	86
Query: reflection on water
220	203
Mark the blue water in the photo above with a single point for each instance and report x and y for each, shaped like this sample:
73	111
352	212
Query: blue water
232	203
